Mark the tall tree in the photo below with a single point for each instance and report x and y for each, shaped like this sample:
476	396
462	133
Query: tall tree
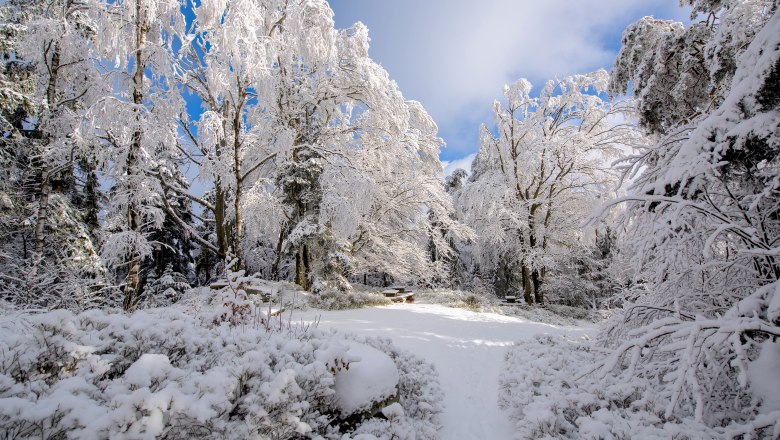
48	43
138	36
300	132
409	218
702	199
535	178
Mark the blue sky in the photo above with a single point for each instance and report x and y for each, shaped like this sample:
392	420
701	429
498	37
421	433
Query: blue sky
454	56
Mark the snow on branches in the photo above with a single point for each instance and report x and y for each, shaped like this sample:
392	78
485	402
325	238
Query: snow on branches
702	216
535	178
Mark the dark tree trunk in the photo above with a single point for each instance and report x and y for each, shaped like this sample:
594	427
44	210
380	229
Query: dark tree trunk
527	285
302	268
220	227
133	281
278	258
536	278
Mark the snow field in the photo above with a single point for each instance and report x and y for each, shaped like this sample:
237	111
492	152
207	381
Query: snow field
467	348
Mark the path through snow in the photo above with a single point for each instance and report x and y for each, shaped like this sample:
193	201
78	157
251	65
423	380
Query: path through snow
466	347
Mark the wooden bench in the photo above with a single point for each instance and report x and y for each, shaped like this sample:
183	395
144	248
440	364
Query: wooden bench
399	294
511	301
219	285
407	297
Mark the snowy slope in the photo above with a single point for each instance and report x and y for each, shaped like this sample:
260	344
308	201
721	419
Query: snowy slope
466	347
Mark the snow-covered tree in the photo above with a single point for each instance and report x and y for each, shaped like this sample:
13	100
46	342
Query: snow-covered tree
17	146
228	51
537	175
702	212
137	37
277	96
409	219
302	134
60	267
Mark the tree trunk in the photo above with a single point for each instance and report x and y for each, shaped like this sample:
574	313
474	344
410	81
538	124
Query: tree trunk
239	182
91	190
278	258
302	268
536	278
307	267
40	224
132	284
527	285
43	196
219	219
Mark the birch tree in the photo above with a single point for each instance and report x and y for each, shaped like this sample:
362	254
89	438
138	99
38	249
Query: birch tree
137	36
537	174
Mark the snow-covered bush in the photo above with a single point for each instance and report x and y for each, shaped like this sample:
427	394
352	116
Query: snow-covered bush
552	390
280	294
553	314
163	291
553	387
576	313
208	368
355	299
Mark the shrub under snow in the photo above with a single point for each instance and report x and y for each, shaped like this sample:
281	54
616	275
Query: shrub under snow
554	388
220	372
419	397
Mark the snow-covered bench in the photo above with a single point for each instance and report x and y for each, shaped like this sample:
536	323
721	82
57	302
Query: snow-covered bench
399	294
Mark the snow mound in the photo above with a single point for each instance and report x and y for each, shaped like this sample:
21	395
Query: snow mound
370	377
148	368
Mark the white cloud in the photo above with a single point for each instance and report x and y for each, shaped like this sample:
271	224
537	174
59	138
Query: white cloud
449	54
454	56
463	162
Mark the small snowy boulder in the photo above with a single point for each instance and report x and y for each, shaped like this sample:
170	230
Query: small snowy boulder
394	411
371	377
147	369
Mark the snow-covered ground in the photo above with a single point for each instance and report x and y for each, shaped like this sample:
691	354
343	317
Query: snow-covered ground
466	347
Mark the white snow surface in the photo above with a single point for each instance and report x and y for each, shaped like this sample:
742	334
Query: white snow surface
371	377
466	347
763	376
